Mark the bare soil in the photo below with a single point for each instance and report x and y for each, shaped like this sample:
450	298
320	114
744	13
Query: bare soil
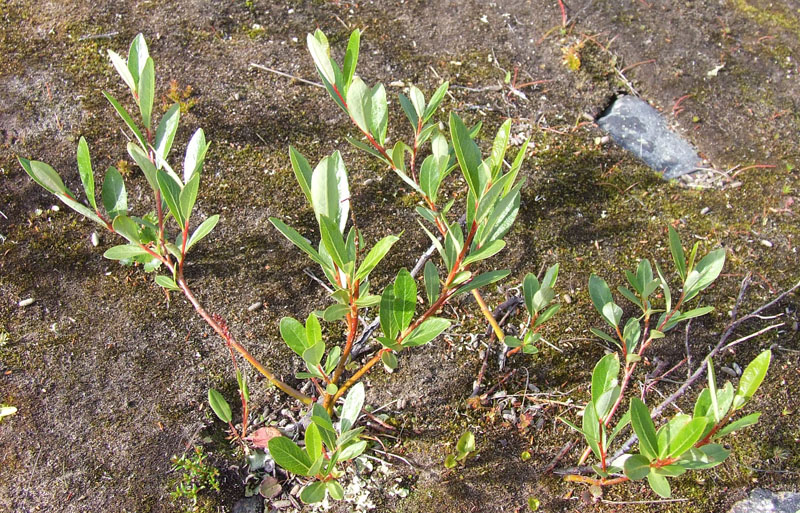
110	378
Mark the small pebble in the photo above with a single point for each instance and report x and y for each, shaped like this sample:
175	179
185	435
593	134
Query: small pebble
766	243
282	504
95	239
27	302
236	96
730	372
255	306
567	299
55	208
704	211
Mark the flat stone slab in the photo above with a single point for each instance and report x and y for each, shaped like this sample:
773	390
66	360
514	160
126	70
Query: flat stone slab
766	501
639	128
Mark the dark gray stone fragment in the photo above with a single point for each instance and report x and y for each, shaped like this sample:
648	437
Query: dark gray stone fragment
253	504
639	128
766	501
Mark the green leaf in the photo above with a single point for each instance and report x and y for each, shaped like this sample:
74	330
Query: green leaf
188	196
405	299
482	280
167	282
450	461
604	336
707	456
431	275
659	484
465	444
686	437
637	467
298	240
665	288
499	148
631	333
137	56
530	286
630	296
612	313
124	252
320	53
751	379
302	171
85	170
410	111
144	163
122	68
334	243
712	389
600	293
515	167
220	406
644	429
348	436
550	312
127	119
350	59
146	89
322	420
165	133
335	312
115	199
352	407
427	331
389	325
127	227
171	192
313	442
195	155
436	99
351	451
375	255
605	377
468	155
202	230
485	252
294	334
332	360
389	360
542	298
678	256
44	175
736	425
591	429
313	354
242	382
377	113
707	270
289	456
335	489
330	192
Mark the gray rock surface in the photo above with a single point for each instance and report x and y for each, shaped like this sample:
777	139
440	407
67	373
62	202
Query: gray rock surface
639	128
766	501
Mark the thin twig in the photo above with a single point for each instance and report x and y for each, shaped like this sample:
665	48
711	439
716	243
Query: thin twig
748	337
394	456
563	452
286	75
658	501
322	284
